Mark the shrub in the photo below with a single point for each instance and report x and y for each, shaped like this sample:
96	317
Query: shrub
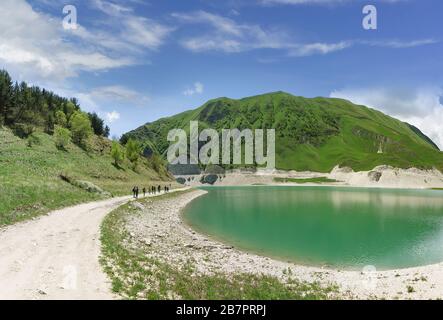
61	119
133	151
23	130
117	153
81	128
32	140
156	162
62	137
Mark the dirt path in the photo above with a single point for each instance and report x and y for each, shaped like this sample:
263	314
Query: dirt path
56	256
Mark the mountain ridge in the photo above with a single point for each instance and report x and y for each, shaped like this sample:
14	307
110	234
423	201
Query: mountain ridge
313	134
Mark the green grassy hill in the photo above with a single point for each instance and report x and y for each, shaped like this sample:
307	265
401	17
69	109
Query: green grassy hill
31	180
311	134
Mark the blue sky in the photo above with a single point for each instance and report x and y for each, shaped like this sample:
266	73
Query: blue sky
135	61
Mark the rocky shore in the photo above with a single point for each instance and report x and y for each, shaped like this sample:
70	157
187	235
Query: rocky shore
160	230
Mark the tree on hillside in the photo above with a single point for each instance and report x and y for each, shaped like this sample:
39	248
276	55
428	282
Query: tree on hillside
117	153
98	124
5	95
156	161
62	137
107	132
69	109
133	149
61	119
81	128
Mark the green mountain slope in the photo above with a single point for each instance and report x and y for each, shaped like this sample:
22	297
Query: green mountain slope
39	178
52	154
311	134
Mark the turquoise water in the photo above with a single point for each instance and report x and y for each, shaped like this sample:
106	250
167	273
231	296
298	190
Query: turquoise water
341	227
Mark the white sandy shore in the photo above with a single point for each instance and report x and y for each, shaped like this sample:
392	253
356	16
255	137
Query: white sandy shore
379	177
161	229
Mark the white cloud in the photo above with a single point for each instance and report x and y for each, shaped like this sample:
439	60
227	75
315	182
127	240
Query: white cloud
295	2
103	99
112	116
319	48
133	30
229	36
318	2
118	93
396	44
226	35
196	89
421	107
35	45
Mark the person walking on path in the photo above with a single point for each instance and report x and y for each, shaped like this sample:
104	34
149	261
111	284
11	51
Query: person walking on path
136	192
144	192
133	192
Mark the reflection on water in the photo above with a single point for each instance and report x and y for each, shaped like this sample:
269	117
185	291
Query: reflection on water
338	226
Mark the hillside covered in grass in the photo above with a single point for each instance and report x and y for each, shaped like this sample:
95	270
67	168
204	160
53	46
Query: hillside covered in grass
311	134
38	178
53	154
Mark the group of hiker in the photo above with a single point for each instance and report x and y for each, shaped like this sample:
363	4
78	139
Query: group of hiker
151	190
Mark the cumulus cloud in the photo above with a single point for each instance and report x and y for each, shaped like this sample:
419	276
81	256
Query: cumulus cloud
36	46
112	116
196	89
421	107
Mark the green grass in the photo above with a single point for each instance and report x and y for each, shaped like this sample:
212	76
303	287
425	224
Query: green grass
311	134
307	180
136	276
30	182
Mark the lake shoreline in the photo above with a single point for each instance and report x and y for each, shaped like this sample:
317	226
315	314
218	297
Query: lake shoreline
379	177
174	241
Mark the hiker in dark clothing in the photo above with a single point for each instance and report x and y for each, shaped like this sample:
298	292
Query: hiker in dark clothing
159	189
166	189
136	192
144	192
133	192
